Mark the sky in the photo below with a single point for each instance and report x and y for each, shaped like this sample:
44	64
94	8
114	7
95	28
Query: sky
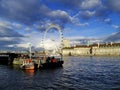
25	21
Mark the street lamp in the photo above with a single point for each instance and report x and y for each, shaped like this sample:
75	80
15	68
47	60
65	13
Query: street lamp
29	49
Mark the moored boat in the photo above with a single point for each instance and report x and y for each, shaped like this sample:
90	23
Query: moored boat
42	62
18	61
27	65
52	61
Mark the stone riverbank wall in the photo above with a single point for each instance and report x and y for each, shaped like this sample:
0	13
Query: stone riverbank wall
112	49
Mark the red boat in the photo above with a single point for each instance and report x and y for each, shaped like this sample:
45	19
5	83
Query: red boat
27	65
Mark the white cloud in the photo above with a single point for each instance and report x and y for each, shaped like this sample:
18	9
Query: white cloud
17	25
23	45
107	20
27	29
76	37
58	13
82	24
6	39
87	14
62	15
88	4
116	26
6	24
51	45
90	13
80	40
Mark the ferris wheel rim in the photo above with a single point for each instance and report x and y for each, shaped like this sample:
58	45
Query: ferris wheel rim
60	34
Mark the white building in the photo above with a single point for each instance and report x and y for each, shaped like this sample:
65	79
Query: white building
66	43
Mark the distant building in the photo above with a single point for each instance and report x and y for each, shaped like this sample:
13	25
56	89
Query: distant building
110	49
66	43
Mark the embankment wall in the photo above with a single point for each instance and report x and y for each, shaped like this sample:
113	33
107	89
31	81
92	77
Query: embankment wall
111	50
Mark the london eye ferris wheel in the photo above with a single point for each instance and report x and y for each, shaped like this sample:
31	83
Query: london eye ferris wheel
55	40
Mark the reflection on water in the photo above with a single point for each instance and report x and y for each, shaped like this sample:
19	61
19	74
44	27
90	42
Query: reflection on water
78	73
29	72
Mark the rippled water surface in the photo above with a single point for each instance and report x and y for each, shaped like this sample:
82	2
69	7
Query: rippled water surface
77	73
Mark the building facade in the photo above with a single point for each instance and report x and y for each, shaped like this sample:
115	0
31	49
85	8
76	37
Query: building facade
101	49
66	43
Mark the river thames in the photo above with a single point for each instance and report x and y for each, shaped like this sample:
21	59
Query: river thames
77	73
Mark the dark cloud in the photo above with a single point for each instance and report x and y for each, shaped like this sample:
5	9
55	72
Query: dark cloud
107	8
100	9
101	12
10	42
7	32
30	11
76	4
113	5
6	42
8	36
35	14
25	11
64	3
113	38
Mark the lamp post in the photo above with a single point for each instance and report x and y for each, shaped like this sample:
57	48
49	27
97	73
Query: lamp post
29	50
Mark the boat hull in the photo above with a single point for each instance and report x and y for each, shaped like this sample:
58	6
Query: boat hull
27	67
51	65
